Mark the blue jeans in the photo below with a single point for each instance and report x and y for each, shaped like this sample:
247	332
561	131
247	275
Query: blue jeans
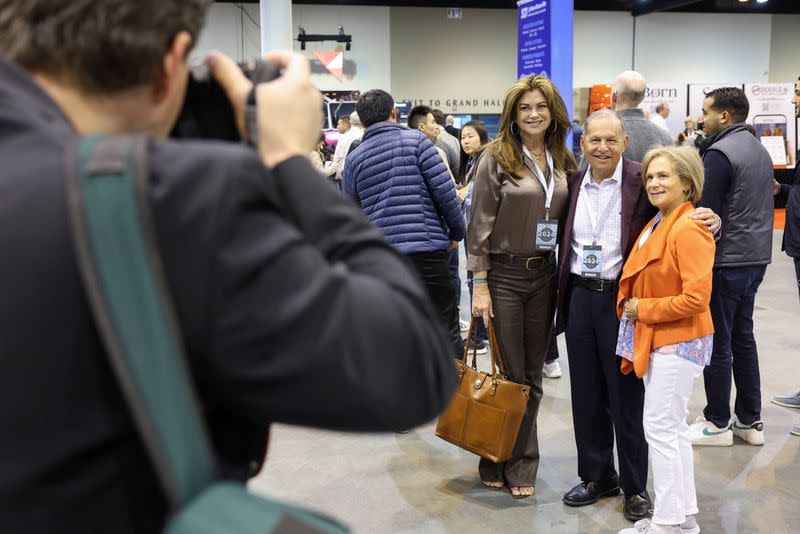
732	300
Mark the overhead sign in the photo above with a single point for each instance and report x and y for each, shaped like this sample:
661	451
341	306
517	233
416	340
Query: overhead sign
333	61
533	40
454	13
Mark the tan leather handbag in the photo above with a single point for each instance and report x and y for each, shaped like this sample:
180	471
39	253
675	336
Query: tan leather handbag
486	410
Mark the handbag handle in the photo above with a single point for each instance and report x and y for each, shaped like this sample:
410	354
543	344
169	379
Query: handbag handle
494	346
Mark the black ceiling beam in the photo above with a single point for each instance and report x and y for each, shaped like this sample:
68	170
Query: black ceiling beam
644	8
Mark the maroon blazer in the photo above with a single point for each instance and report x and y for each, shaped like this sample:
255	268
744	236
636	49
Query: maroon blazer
636	212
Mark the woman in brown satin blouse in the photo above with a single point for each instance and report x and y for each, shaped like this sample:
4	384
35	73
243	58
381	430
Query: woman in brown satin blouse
519	197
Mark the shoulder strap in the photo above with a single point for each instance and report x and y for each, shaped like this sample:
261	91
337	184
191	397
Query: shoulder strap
115	245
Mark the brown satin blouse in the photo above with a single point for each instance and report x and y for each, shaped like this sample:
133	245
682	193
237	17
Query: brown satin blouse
505	210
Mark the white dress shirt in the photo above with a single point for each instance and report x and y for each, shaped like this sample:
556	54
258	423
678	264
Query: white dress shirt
660	121
602	198
342	148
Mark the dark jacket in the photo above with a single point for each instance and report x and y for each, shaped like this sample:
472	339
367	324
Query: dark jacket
288	302
400	181
791	231
636	212
738	187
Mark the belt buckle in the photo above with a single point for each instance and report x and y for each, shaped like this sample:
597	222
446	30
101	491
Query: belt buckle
604	284
528	261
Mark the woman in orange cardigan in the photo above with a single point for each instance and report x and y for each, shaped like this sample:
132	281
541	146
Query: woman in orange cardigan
666	331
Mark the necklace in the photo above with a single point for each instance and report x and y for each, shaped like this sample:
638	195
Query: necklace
538	154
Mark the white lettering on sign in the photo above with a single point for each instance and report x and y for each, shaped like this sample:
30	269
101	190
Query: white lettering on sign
454	13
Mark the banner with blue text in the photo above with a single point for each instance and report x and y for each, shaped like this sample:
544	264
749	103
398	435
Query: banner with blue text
533	37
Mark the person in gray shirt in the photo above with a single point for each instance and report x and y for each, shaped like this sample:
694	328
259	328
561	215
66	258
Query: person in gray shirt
447	142
628	93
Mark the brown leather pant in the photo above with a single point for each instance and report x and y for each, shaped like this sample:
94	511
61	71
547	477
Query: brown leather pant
523	302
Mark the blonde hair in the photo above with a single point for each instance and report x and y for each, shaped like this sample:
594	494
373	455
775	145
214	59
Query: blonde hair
686	163
507	147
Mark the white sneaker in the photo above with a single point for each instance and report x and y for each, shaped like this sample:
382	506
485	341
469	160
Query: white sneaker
463	326
703	432
647	526
690	526
752	434
552	369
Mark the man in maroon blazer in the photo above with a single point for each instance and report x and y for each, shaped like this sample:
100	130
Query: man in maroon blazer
608	208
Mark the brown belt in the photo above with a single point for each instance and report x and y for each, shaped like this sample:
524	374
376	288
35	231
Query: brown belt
530	263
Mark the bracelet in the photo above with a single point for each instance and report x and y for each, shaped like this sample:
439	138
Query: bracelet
479	281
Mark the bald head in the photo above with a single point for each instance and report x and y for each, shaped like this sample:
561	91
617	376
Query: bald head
629	90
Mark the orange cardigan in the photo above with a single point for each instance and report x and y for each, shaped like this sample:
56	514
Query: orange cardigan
671	276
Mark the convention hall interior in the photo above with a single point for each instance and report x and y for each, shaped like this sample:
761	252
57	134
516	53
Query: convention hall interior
460	57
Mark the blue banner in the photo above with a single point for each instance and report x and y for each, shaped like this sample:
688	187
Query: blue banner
533	41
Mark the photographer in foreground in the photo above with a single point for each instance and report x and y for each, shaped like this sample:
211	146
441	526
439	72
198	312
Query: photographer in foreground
287	299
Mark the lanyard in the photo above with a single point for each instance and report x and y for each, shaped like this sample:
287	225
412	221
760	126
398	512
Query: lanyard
598	228
548	188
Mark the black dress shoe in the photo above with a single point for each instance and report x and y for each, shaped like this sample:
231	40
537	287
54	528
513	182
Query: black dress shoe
588	492
637	506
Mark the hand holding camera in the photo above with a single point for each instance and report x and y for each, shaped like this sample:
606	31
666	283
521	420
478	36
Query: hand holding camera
288	109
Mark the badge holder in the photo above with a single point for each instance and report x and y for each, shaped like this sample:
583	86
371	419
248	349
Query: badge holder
591	261
546	234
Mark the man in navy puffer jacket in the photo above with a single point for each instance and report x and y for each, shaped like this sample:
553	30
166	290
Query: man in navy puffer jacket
400	181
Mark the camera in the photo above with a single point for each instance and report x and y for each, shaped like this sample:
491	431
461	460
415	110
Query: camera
207	113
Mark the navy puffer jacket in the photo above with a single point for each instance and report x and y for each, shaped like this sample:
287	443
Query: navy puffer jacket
403	186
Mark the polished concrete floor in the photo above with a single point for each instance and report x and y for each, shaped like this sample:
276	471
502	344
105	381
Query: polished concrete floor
417	483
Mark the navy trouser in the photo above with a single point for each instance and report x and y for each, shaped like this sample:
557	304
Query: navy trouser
433	269
552	347
452	265
733	296
604	401
797	272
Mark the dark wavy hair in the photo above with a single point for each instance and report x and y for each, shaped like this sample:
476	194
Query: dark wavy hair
483	135
99	46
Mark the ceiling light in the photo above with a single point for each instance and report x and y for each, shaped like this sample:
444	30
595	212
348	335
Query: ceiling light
761	1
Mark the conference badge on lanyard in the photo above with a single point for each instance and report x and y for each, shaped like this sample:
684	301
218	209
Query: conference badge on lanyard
546	234
591	261
547	228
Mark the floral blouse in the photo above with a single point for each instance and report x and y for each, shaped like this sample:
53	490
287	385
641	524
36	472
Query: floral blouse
695	350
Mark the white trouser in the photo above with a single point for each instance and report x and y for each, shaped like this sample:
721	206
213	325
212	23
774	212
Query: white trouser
668	385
